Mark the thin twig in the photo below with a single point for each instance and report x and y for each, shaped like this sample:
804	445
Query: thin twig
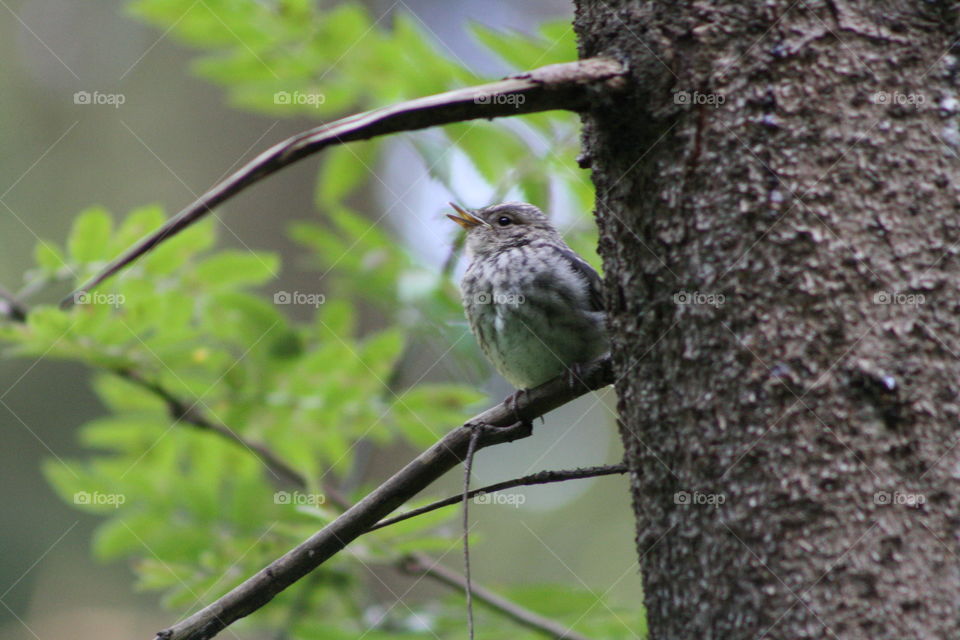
541	477
422	471
515	612
561	86
186	412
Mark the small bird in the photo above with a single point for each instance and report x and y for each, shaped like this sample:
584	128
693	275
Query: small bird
534	306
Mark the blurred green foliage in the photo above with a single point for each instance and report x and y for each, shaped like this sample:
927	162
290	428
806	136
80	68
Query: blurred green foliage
199	512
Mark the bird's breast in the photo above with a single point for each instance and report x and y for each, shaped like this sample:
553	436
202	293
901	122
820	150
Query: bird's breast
530	314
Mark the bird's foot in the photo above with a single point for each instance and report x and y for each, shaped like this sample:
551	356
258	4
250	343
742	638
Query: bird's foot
513	403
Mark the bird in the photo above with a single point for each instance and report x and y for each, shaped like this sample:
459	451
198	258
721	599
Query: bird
534	306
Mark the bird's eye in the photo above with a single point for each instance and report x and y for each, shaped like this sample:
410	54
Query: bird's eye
503	221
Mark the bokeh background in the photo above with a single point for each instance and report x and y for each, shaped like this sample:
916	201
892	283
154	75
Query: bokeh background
173	137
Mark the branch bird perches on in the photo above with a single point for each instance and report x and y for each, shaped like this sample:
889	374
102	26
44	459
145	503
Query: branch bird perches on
566	86
500	420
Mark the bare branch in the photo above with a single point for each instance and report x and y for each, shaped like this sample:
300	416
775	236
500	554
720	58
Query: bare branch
430	465
541	477
560	86
515	612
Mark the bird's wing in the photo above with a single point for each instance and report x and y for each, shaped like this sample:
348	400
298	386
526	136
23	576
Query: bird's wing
594	284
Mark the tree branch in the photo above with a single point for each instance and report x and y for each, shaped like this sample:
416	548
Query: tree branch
430	465
560	86
515	612
541	477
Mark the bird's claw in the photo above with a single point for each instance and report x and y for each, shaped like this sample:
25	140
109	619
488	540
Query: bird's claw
513	403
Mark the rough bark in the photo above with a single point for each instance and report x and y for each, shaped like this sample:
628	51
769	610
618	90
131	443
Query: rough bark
808	377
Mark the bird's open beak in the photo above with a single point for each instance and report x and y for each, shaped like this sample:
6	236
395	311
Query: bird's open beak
466	219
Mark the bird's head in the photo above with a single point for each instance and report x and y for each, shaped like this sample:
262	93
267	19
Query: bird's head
500	226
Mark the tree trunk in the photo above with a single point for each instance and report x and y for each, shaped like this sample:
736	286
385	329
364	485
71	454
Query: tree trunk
778	204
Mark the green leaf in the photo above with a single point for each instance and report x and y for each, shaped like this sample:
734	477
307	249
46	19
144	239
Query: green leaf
381	350
49	324
117	537
177	250
426	411
153	574
90	235
129	433
343	171
64	479
120	395
227	269
49	257
490	148
339	317
136	225
556	44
